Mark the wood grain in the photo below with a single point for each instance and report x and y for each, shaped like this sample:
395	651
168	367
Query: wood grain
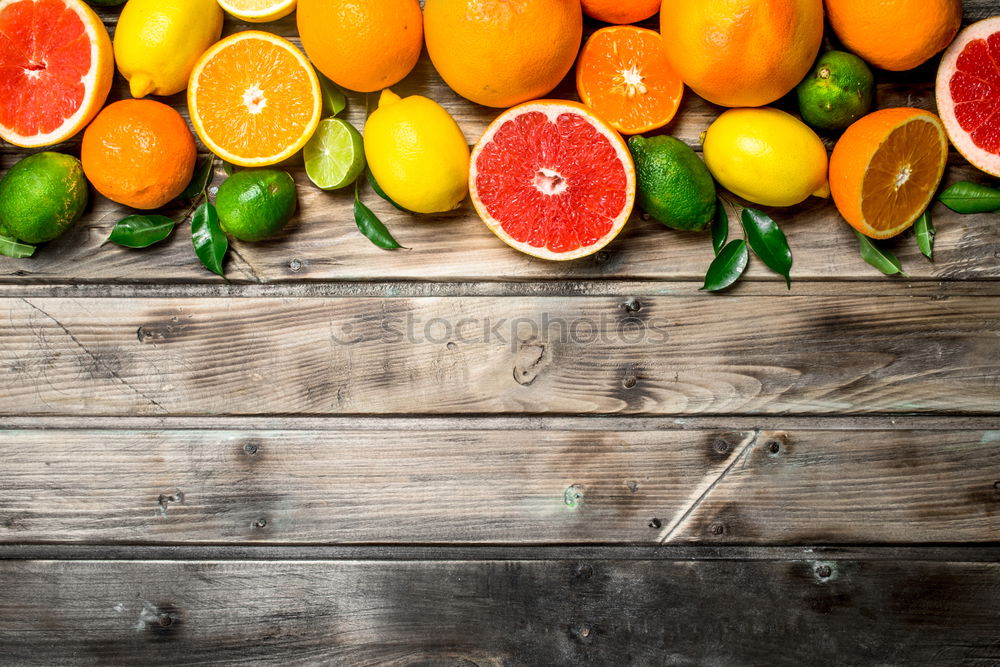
786	612
705	487
597	355
323	243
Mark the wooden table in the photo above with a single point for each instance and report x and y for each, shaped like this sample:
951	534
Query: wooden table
343	455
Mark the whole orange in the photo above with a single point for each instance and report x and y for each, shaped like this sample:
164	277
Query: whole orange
895	35
742	53
139	153
362	45
620	11
502	52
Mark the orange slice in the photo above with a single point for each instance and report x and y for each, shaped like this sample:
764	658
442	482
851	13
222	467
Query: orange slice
624	75
254	99
56	67
885	169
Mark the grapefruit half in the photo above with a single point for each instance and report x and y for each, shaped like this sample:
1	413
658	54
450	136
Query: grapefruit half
968	94
552	180
56	66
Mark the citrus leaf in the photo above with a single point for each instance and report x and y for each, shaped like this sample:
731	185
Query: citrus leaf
333	98
141	231
371	226
11	247
720	226
727	267
201	178
968	197
229	168
880	258
381	193
768	242
924	229
210	242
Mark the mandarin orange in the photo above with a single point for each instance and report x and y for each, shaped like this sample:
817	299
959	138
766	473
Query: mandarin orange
620	11
139	153
362	45
742	53
502	52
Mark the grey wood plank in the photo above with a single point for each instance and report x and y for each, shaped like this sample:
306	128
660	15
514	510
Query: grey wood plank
679	356
814	612
502	487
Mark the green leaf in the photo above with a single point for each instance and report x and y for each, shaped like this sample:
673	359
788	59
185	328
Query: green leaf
371	226
381	193
141	231
201	178
333	98
720	226
880	258
727	267
210	242
924	229
11	247
768	242
968	197
229	168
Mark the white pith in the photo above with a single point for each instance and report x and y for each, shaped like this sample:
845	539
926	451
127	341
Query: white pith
988	162
552	109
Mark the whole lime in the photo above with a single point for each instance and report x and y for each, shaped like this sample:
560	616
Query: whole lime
41	196
673	184
837	92
254	204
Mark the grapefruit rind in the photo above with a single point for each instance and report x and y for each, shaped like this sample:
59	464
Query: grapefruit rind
196	119
978	157
553	109
97	82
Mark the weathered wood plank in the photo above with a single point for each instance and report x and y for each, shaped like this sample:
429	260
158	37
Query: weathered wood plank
502	487
655	356
854	612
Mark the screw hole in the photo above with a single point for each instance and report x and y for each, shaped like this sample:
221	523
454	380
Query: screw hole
824	571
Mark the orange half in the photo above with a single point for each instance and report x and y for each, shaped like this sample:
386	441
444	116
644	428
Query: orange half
624	75
885	169
254	99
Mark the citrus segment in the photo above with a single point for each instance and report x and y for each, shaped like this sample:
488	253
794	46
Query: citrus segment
624	75
335	156
56	67
258	11
552	180
254	99
968	94
885	169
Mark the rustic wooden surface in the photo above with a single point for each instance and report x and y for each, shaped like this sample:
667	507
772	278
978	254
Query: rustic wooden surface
258	470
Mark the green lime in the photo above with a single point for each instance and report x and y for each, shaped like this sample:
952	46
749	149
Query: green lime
674	185
837	92
254	204
41	196
335	155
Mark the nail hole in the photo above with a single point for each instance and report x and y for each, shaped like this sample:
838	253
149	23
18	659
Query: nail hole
655	523
774	446
824	571
250	448
721	445
629	381
632	306
717	529
260	523
451	345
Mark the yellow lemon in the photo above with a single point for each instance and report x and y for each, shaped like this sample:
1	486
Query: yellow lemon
417	153
157	42
258	11
766	156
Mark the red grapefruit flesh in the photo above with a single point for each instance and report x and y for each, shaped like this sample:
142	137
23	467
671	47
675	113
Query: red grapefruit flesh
56	66
968	94
552	180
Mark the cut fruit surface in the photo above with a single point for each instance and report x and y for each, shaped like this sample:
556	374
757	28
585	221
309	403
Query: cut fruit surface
552	180
258	11
56	67
254	99
885	169
623	73
968	94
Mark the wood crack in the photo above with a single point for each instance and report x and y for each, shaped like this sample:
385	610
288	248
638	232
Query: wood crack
246	267
741	455
97	360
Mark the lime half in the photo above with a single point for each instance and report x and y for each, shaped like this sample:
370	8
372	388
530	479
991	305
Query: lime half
335	155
